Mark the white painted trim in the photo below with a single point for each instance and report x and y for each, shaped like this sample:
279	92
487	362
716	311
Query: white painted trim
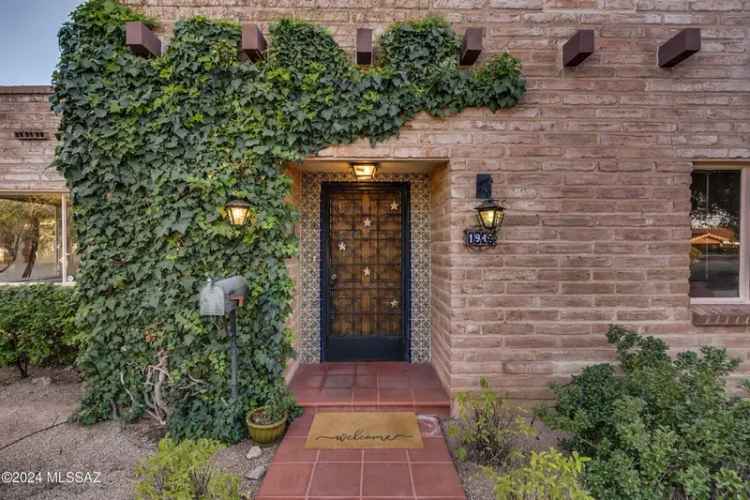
744	236
34	191
26	283
719	300
64	227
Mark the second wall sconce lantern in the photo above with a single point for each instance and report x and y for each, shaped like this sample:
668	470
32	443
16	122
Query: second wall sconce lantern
490	215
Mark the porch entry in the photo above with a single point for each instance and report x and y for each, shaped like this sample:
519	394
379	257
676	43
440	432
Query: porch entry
365	271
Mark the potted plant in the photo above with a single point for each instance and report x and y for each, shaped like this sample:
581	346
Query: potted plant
267	423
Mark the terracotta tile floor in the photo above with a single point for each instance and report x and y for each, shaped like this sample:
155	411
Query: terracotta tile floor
371	385
297	473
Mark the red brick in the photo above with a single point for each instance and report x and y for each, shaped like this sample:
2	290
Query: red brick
642	315
531	341
532	315
564	275
535	287
565	301
587	288
530	367
618	275
588	314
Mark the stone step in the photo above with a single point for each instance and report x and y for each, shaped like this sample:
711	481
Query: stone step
371	386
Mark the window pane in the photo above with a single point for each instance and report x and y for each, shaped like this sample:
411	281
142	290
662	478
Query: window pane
30	237
715	240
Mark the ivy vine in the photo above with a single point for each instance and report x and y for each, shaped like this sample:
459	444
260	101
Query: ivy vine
152	149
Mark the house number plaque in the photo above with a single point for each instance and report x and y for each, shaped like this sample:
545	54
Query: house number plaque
479	238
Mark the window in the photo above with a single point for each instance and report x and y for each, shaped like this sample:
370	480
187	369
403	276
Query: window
36	241
717	243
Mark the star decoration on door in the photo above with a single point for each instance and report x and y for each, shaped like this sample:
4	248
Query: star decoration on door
366	272
367	222
394	304
342	246
394	206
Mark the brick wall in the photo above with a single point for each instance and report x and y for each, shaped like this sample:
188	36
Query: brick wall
24	165
594	164
440	281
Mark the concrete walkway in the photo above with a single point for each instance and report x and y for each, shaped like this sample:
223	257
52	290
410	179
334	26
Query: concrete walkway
297	473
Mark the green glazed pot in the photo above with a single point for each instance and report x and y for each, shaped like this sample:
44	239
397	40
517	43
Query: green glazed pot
265	434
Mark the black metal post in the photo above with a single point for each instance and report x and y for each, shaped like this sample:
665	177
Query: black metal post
233	351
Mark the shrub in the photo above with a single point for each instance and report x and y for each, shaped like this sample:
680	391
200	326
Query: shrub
281	402
664	428
182	471
224	421
489	432
37	326
549	475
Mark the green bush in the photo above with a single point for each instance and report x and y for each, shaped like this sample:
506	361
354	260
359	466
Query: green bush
37	326
663	428
280	403
488	431
182	471
223	420
549	475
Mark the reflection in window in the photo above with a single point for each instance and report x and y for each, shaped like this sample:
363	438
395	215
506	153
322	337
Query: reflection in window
32	239
715	239
73	262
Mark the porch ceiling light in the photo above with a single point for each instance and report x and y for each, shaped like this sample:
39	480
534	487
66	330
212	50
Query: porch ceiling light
364	171
238	211
490	214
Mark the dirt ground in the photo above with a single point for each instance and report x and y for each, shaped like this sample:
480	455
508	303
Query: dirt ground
476	483
105	455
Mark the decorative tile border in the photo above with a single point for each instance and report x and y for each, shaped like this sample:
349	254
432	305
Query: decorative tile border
309	330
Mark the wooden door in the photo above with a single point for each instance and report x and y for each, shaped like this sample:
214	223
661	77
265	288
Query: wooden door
365	271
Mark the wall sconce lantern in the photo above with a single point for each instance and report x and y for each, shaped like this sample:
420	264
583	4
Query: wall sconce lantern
238	212
364	171
490	216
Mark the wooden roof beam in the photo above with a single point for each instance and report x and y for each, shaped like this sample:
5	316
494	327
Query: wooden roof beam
578	48
472	46
678	48
141	40
365	52
253	42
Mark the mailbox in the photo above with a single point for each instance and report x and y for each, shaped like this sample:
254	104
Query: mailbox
220	298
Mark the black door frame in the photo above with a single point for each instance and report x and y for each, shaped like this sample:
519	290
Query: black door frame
332	187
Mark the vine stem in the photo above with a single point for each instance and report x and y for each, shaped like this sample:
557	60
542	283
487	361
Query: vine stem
54	424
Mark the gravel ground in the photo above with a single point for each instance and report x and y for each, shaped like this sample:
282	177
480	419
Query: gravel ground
233	460
475	482
108	451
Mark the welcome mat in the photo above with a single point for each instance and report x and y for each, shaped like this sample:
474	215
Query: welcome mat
364	430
